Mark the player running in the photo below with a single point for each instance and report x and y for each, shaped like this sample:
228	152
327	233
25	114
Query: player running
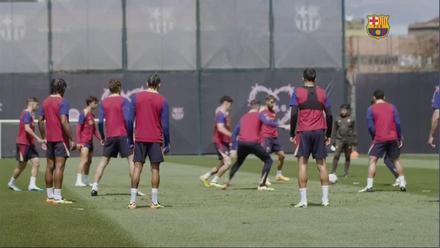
435	116
118	136
344	138
85	130
26	147
222	141
152	136
310	130
53	123
384	127
246	140
269	134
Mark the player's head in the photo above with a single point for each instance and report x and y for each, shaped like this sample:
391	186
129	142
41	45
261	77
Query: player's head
254	104
309	75
58	86
32	102
92	102
378	95
270	102
153	82
344	110
115	86
226	102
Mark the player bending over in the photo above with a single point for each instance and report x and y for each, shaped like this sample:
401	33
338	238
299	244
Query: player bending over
344	138
118	136
152	136
26	146
85	130
222	141
311	118
384	127
53	123
269	134
246	140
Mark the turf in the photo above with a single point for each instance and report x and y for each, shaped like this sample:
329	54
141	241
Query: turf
241	216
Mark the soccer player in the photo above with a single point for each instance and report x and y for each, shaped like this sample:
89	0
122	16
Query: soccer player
53	123
222	141
344	138
26	147
247	140
118	136
389	162
310	130
269	134
85	130
384	127
435	116
152	136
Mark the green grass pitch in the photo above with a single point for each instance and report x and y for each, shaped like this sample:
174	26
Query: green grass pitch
242	216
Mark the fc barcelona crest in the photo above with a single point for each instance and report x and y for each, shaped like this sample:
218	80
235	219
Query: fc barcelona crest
378	26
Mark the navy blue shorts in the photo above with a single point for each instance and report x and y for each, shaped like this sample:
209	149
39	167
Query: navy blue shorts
224	148
57	150
144	149
390	148
25	152
116	145
88	146
272	145
312	142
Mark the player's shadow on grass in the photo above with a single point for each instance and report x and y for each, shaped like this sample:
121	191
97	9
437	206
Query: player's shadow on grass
243	188
148	206
115	194
312	204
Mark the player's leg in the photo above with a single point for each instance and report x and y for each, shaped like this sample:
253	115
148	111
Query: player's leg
155	154
302	181
371	173
99	173
220	152
110	150
34	173
336	156
12	185
390	165
138	159
279	176
394	153
84	157
50	167
155	182
86	169
222	170
242	152
205	177
264	156
60	163
323	176
347	151
302	152
376	151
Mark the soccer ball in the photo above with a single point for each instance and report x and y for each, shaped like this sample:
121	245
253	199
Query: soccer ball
332	178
